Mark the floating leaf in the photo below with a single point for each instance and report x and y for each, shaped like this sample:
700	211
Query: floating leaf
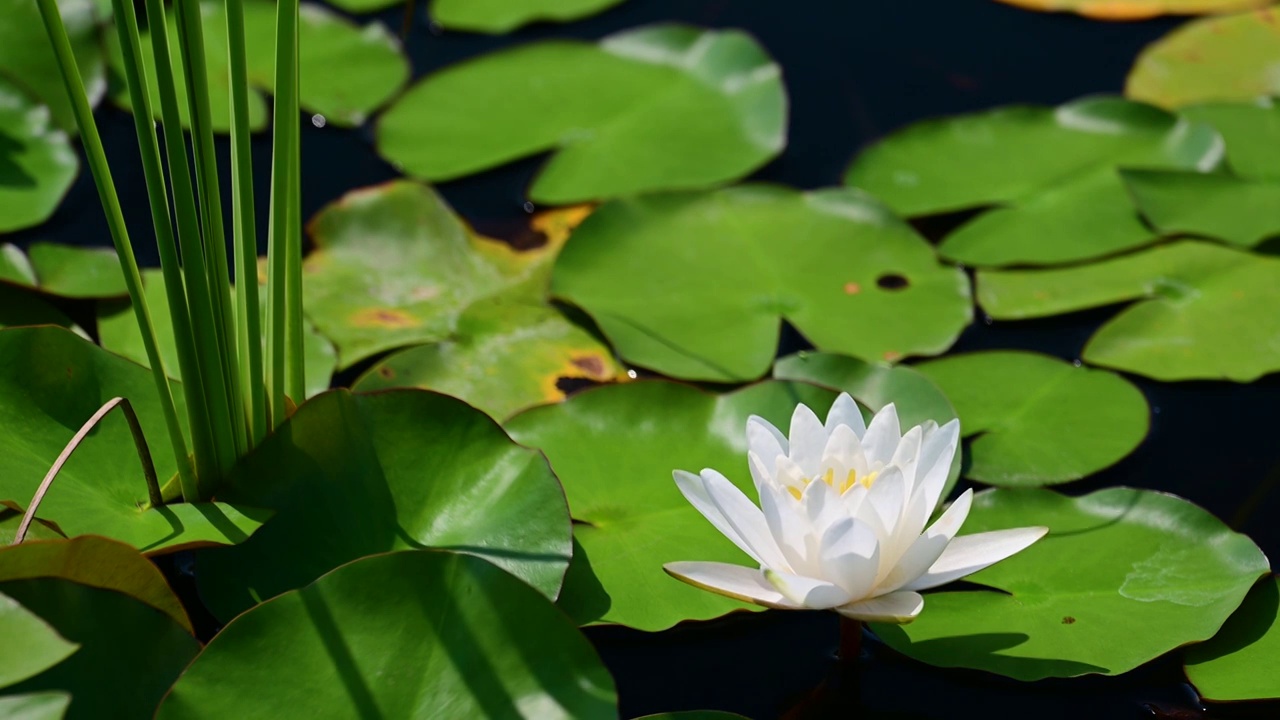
27	59
19	309
695	715
1062	201
502	16
31	645
1242	662
51	382
1204	310
11	519
37	164
504	358
118	332
35	706
661	107
346	71
614	448
696	285
1225	57
410	634
1036	420
1136	9
1251	131
393	266
63	270
353	475
1124	576
129	654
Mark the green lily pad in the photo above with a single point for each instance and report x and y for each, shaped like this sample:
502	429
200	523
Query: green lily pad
27	59
1062	201
19	309
1120	10
353	475
659	108
503	359
118	332
129	656
51	382
401	635
11	519
37	164
614	449
1124	576
97	562
1223	57
1242	662
695	715
35	706
347	71
1036	420
1203	310
393	266
502	16
1251	131
32	646
695	285
63	270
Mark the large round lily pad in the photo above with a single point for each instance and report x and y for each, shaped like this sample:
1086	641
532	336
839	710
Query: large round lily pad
63	270
51	382
353	475
614	449
37	164
27	59
1136	9
402	635
695	285
1204	311
33	646
1224	57
1124	576
501	16
1061	201
346	71
1036	420
1242	662
658	108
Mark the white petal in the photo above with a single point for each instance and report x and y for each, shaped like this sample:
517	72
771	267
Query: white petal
936	453
927	548
761	474
786	524
883	435
809	592
851	557
735	581
736	517
844	449
844	411
807	440
898	607
764	439
968	554
822	507
907	455
886	498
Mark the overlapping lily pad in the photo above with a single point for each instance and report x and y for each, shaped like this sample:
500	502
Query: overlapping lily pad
35	706
1124	576
1061	201
346	71
405	634
1242	662
27	59
1224	57
658	108
1136	9
37	164
51	382
1203	311
500	16
33	646
354	475
63	270
614	449
1036	420
695	285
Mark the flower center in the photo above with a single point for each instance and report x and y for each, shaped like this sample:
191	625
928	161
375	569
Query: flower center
841	487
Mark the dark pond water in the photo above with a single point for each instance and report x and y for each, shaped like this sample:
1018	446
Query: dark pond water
855	71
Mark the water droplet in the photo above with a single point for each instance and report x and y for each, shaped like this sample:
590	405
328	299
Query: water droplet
1155	409
1077	362
987	319
529	207
434	28
632	374
318	120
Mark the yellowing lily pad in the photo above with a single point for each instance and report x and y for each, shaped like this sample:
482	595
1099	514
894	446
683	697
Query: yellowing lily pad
658	108
1202	311
1136	9
27	59
1224	57
63	270
1123	577
1062	201
37	164
502	16
696	285
1242	662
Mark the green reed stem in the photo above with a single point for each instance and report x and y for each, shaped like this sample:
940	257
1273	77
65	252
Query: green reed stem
248	325
153	171
283	174
115	221
295	372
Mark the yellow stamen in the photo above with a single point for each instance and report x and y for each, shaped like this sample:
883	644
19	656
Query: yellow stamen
830	479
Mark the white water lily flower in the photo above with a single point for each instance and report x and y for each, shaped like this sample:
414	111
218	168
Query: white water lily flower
842	516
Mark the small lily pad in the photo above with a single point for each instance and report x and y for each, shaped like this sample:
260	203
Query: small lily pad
1062	201
696	285
1136	9
502	16
1203	311
33	646
1242	662
37	164
410	634
1223	57
27	59
63	270
1036	420
614	449
1123	577
658	108
354	475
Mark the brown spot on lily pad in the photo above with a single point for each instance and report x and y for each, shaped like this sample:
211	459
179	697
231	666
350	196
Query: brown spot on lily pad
383	317
891	355
852	288
1068	620
387	372
556	225
592	365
